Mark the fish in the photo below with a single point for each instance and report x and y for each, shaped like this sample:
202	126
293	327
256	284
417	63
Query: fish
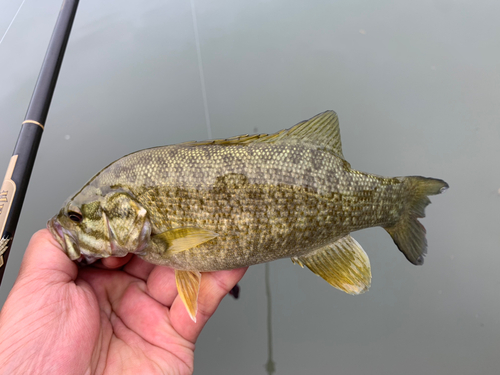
229	203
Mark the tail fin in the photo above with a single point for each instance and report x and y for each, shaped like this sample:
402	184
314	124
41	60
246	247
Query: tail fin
408	233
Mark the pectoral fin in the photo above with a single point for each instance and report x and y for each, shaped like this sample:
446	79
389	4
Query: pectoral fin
343	264
181	239
188	286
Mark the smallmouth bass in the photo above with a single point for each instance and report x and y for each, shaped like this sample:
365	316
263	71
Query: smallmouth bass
224	204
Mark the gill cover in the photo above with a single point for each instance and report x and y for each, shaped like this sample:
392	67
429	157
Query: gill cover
91	226
126	224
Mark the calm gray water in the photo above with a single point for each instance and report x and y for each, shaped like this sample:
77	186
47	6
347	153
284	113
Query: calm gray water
417	89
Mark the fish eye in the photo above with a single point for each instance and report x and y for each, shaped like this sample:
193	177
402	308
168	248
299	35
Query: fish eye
75	216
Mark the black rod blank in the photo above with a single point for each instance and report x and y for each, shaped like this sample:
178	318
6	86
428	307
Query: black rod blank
21	164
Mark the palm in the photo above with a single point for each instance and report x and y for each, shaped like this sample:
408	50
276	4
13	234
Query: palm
103	320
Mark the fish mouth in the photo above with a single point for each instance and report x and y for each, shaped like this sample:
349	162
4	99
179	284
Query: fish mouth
68	243
57	232
85	260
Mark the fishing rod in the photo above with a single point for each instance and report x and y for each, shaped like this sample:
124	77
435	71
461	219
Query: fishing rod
21	164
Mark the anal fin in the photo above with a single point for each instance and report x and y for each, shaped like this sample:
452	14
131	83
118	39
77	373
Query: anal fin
188	287
343	264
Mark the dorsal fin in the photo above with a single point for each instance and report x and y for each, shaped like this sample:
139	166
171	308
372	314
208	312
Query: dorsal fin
322	130
237	140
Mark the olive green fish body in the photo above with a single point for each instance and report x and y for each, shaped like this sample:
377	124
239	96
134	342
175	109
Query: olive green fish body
264	201
224	204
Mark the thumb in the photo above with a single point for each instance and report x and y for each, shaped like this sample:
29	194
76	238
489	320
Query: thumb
44	257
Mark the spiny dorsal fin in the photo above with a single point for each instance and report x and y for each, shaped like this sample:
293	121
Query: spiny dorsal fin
322	130
188	287
180	239
343	264
237	140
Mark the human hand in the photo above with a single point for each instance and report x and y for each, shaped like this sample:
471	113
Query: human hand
123	316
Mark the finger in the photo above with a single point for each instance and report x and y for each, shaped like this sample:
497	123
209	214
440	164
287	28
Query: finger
161	285
45	256
114	262
133	312
139	268
214	287
141	315
108	285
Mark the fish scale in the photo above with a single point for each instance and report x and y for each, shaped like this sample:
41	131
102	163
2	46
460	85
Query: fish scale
224	204
248	189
